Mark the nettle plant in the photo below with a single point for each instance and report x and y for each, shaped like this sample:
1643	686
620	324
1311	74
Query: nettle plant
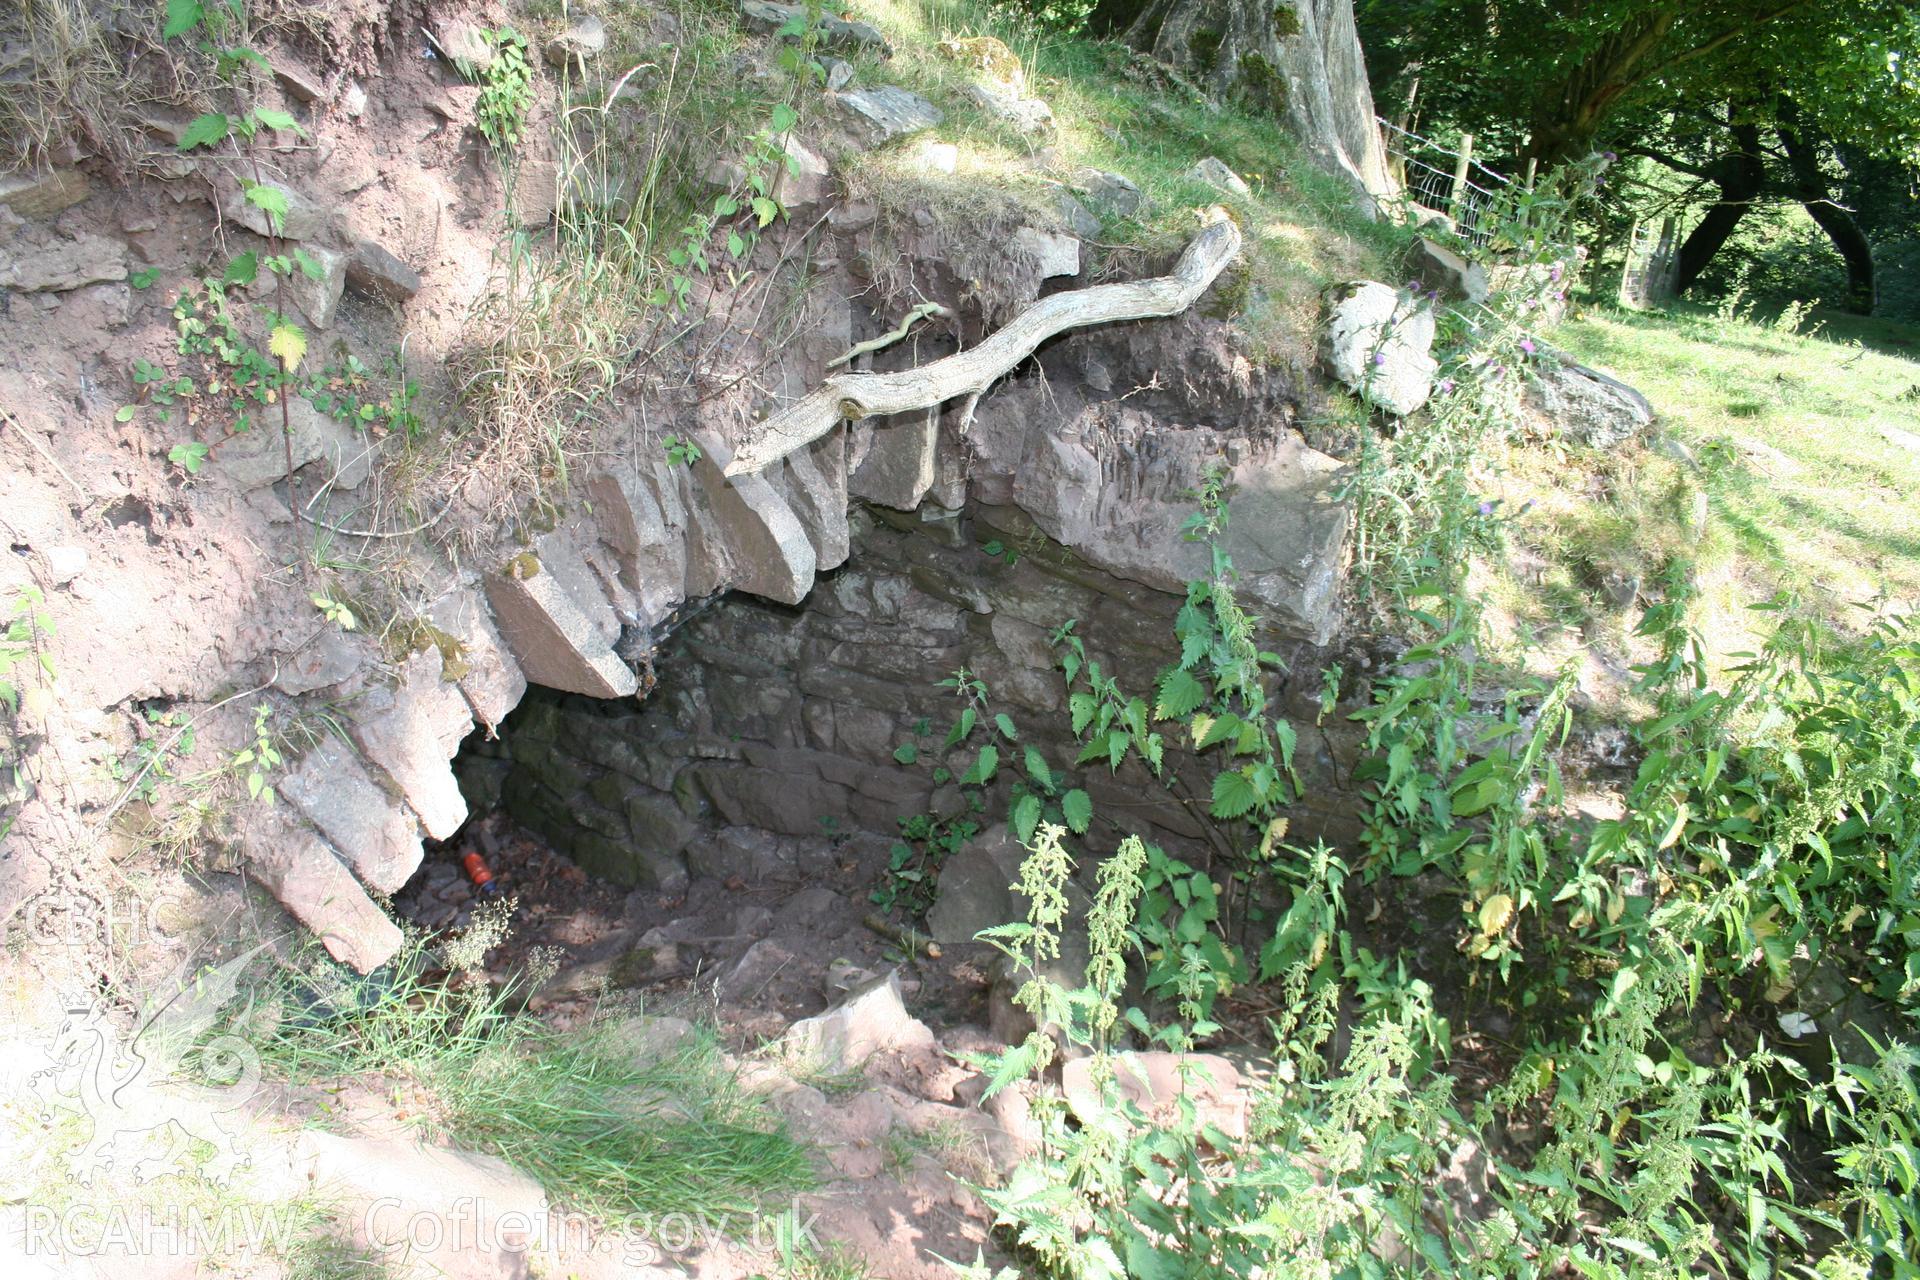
238	376
1772	827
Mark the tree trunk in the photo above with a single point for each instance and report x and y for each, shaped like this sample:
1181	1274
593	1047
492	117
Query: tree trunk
1297	60
1741	175
1810	187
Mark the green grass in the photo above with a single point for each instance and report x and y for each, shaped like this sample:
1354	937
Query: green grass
1802	452
606	1126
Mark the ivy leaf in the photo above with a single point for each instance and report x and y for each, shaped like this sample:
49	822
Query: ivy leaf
288	344
125	412
206	130
906	753
1180	695
1233	795
1077	805
182	17
1026	816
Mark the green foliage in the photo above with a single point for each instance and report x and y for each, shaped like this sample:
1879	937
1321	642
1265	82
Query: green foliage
380	405
506	88
680	453
256	763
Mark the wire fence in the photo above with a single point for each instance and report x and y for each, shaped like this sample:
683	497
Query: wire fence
1445	181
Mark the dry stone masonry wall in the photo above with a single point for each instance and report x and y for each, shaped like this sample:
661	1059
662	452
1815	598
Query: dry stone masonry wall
789	719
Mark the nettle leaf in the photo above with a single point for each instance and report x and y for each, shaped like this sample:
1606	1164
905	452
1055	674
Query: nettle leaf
1077	805
309	266
271	201
765	209
243	270
1026	816
1037	768
276	119
984	765
1180	695
206	130
1233	795
182	17
784	117
1004	723
288	344
1082	706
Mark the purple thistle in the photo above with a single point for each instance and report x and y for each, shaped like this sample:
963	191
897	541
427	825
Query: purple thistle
1526	345
1446	385
1379	357
1556	273
1486	508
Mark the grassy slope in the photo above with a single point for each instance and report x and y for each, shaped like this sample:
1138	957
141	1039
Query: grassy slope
1801	452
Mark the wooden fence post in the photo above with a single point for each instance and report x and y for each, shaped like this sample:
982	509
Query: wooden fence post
1457	204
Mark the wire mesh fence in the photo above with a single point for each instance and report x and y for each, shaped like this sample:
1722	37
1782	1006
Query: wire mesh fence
1445	180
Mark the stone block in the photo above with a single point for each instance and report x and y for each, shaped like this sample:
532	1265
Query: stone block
42	193
1057	254
832	30
326	660
318	296
372	829
767	798
303	220
60	264
1379	343
767	551
896	465
489	677
886	112
628	863
412	732
257	458
550	635
1214	172
639	514
871	1019
310	880
816	482
373	271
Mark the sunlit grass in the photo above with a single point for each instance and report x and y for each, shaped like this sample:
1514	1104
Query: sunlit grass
1788	464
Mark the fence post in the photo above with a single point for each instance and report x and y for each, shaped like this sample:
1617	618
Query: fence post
1456	205
1532	163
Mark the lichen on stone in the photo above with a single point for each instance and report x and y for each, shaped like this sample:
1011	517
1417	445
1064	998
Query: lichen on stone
523	566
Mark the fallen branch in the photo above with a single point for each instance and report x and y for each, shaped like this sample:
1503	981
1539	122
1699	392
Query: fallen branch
852	396
913	317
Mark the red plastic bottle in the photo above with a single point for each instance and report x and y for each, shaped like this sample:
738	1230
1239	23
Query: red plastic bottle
477	872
